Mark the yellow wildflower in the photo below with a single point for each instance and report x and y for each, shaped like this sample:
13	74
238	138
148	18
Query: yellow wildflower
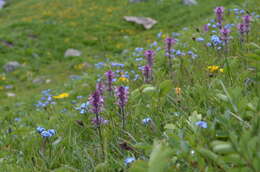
213	68
178	90
123	79
61	96
2	78
221	70
79	66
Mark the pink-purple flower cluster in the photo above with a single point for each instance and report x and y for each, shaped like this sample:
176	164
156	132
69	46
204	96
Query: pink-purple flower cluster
122	96
110	76
96	101
147	72
149	54
219	11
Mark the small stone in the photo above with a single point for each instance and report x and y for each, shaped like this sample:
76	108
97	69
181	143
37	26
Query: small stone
39	80
147	22
189	2
72	53
11	66
10	94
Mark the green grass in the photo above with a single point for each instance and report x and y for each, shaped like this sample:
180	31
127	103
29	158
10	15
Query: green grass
41	31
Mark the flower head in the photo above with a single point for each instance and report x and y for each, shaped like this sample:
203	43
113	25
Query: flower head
206	28
225	34
147	71
122	95
169	43
202	124
100	87
129	160
178	90
110	76
241	28
96	101
98	121
219	12
61	96
40	129
149	54
146	121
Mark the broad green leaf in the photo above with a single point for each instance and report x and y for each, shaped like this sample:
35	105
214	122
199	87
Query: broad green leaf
139	166
160	157
165	87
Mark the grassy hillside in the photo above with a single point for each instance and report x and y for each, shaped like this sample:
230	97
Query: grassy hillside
199	114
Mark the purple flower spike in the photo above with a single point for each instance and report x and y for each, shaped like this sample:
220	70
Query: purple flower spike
149	54
100	87
169	43
99	121
241	28
110	76
246	21
122	96
96	100
147	71
219	11
206	28
225	34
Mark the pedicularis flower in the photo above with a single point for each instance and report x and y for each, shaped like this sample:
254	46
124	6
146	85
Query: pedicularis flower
219	11
246	21
100	87
122	96
96	101
149	54
241	28
169	42
225	34
110	76
98	121
147	71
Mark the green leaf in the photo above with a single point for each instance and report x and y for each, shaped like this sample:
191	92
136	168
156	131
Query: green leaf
207	154
160	157
101	167
165	87
139	166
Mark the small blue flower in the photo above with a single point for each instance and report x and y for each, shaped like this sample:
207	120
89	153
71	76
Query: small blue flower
178	53
100	65
159	35
46	134
139	50
147	120
40	129
129	160
199	39
115	64
209	44
139	59
215	40
52	132
202	124
17	119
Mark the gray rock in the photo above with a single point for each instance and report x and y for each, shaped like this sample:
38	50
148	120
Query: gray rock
72	53
39	80
189	2
11	66
147	22
10	94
